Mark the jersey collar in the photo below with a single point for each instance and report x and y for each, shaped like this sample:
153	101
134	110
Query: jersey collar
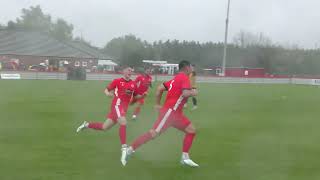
126	80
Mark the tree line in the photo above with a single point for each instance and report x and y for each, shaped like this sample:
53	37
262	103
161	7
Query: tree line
252	51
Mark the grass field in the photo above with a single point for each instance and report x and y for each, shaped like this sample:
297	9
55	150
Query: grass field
247	132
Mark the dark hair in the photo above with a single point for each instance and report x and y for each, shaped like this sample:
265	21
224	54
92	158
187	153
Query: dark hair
147	68
183	64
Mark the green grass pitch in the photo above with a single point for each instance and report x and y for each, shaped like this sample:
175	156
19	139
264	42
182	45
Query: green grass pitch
246	132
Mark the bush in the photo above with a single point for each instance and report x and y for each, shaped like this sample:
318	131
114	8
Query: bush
77	74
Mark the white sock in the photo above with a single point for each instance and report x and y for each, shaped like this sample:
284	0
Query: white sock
86	125
130	150
185	155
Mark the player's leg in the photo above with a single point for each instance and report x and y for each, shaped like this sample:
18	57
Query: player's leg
137	109
122	130
144	138
123	138
190	133
162	124
100	126
183	123
121	113
195	103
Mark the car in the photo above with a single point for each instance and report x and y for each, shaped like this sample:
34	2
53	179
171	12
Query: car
37	68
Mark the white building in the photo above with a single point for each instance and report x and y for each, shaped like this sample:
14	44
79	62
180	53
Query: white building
164	66
107	64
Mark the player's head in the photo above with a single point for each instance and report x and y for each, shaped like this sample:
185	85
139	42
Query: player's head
127	71
148	70
193	67
185	66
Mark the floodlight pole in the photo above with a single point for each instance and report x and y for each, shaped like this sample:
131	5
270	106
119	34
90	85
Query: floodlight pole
223	72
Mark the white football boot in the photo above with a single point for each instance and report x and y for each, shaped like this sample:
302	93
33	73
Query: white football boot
185	160
83	126
128	153
194	108
124	153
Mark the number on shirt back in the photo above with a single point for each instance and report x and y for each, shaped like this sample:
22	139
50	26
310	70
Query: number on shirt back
171	84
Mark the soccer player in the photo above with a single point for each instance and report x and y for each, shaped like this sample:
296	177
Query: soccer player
144	81
171	113
192	77
123	90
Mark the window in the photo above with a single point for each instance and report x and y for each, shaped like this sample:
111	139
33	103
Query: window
61	63
84	63
77	64
218	71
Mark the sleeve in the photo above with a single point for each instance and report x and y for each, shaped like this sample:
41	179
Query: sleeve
138	81
185	83
112	85
167	84
136	91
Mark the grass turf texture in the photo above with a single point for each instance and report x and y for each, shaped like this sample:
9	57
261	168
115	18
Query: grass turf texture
258	132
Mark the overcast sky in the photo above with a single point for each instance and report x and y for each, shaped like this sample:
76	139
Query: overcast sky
284	21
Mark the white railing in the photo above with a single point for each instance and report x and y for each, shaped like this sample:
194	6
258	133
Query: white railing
38	75
201	79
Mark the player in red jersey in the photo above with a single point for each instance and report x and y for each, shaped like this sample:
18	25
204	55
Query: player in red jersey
171	113
144	82
123	90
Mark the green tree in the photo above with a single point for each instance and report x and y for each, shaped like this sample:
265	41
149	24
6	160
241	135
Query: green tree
35	19
129	50
84	41
255	50
62	30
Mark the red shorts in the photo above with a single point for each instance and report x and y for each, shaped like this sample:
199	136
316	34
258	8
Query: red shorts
170	118
117	111
140	101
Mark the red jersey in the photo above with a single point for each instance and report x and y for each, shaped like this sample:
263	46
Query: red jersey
143	83
123	90
175	86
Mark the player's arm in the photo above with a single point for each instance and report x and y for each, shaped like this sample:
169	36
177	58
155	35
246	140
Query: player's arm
107	92
138	81
161	88
110	88
189	92
140	96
